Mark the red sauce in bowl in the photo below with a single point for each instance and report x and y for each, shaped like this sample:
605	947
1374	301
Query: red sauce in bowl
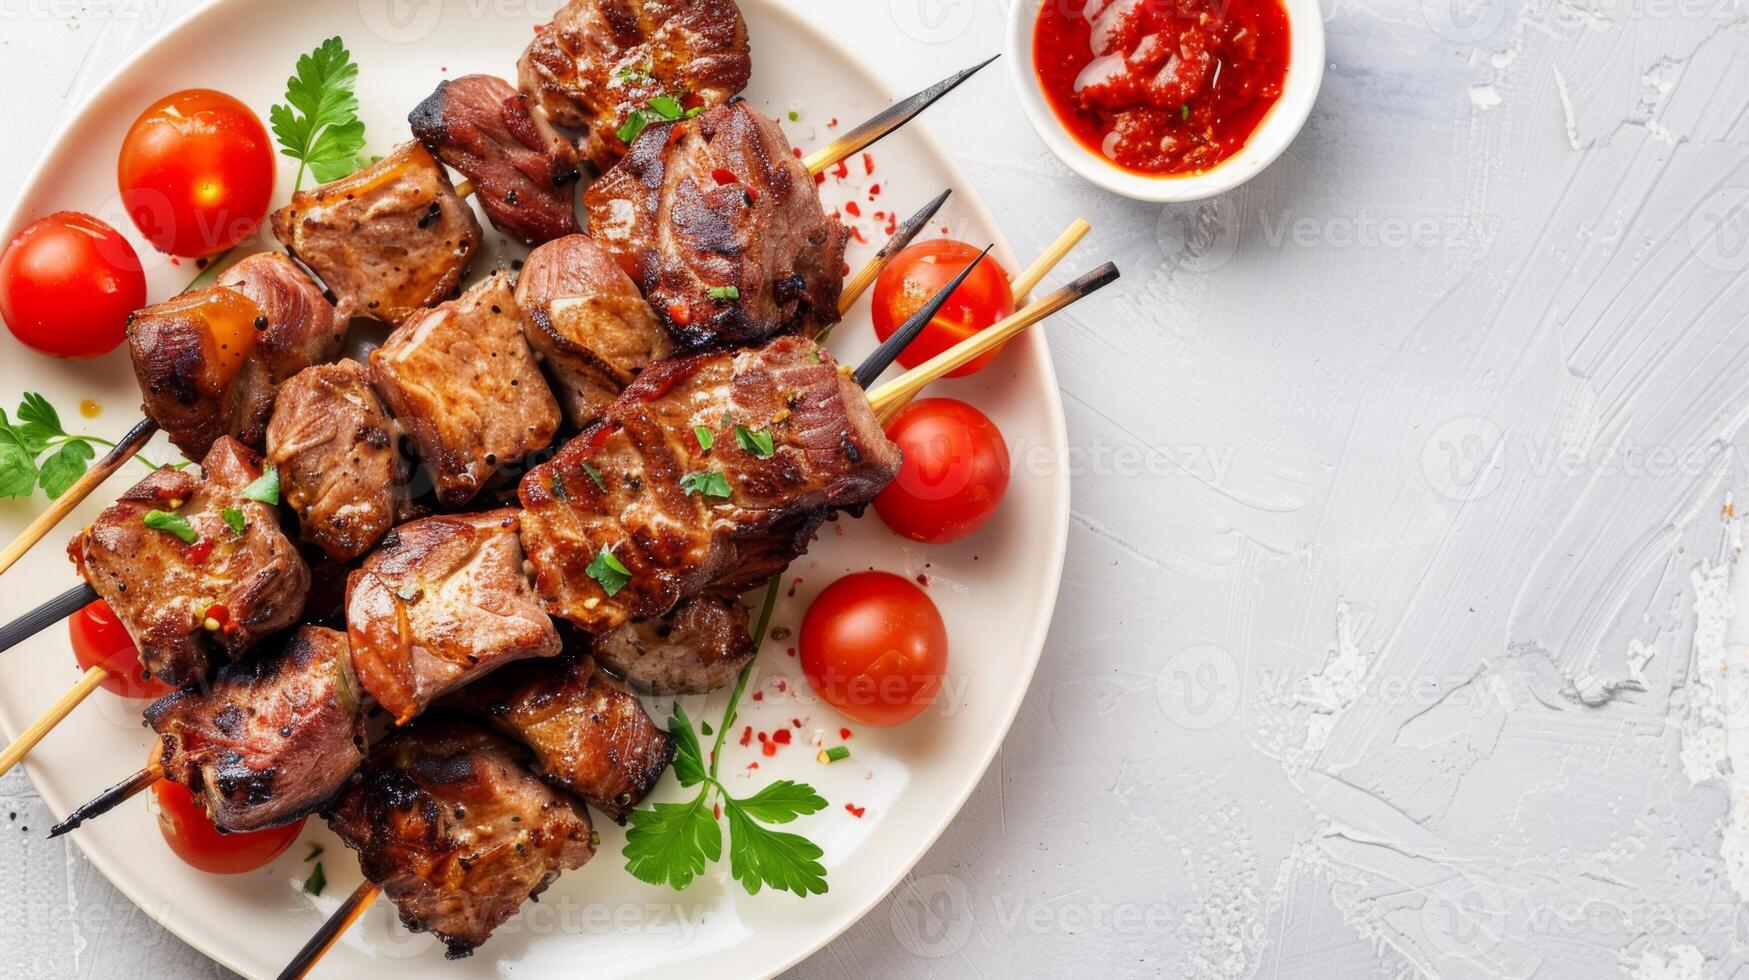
1162	86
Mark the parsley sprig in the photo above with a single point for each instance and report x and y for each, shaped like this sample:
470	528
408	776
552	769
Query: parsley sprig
673	843
318	123
37	450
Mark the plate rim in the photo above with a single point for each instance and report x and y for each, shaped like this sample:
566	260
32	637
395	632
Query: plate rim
1058	478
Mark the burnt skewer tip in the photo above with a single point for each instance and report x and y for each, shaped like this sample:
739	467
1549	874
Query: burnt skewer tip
887	120
1099	278
108	800
46	615
908	229
889	350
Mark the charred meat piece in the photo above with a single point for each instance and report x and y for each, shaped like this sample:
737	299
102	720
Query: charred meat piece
601	61
458	832
187	584
721	226
521	167
442	601
208	362
389	240
588	322
334	444
589	734
275	736
789	434
464	385
697	647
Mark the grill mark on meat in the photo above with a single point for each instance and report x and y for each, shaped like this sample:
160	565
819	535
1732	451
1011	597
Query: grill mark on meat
162	591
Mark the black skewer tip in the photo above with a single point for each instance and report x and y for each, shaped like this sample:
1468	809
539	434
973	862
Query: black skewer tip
901	112
1099	278
912	225
889	350
107	800
46	615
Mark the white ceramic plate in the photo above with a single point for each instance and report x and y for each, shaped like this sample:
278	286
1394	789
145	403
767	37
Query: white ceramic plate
995	589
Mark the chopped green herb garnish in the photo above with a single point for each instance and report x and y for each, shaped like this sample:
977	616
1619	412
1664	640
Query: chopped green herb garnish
594	474
1184	112
795	116
317	881
163	520
708	482
315	852
758	443
704	728
265	488
836	753
725	292
609	572
695	110
666	107
235	519
661	108
705	439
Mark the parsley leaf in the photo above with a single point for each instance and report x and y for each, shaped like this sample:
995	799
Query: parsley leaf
318	124
661	108
708	482
235	519
724	292
18	474
65	467
38	431
666	107
609	572
163	520
758	443
594	474
705	439
317	881
265	488
36	409
673	843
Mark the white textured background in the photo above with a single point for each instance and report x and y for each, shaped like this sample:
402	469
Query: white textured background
1398	633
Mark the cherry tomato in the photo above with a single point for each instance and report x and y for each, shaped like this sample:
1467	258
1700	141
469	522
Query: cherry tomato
194	838
100	640
874	647
953	475
67	285
196	172
920	272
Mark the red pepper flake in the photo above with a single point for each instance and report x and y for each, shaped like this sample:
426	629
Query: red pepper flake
923	580
782	685
780	737
892	223
752	195
717	811
874	191
844	733
792	586
867	164
790	651
842	170
758	695
198	551
833	124
857	234
853	209
175	261
797	151
856	811
796	722
724	176
754	765
747	735
770	748
762	736
819	178
217	611
680	313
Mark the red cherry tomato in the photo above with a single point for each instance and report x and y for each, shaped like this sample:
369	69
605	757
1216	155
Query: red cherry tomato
954	473
194	838
196	172
920	272
67	285
874	647
100	640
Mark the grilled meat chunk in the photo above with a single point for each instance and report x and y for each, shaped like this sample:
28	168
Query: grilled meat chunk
275	736
697	647
721	226
600	61
334	444
521	167
447	819
220	592
678	517
442	601
589	734
388	240
464	385
208	362
588	322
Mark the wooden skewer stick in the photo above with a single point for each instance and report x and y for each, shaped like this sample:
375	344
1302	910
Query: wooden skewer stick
337	924
109	799
866	276
124	450
27	740
890	397
885	121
